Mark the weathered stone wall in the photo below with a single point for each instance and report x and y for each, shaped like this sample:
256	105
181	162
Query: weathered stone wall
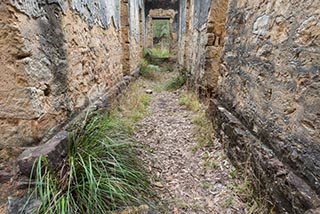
57	57
193	20
268	98
136	20
267	101
214	46
171	15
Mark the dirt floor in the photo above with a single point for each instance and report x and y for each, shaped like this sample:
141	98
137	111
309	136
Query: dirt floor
188	178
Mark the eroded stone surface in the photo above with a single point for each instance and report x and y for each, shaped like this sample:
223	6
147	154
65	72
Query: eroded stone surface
270	83
57	58
268	57
54	150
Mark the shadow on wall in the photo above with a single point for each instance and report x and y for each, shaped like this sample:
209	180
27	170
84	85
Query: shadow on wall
52	44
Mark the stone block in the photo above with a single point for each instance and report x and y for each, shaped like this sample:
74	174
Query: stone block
54	150
289	192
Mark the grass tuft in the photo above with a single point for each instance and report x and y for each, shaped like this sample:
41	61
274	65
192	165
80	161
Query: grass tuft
190	100
147	70
101	172
158	53
131	107
170	68
203	130
176	82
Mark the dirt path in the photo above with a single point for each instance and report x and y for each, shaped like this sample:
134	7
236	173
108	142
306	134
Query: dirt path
188	181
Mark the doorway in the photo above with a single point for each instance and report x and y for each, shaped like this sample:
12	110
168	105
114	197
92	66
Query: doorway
161	37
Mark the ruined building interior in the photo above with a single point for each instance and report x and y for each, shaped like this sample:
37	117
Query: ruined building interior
253	64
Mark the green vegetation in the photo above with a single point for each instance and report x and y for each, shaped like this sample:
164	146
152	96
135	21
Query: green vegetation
158	53
243	186
147	70
169	68
176	82
154	55
131	107
203	130
161	38
190	101
100	173
161	27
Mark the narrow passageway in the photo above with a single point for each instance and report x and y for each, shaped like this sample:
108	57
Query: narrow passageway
82	80
189	177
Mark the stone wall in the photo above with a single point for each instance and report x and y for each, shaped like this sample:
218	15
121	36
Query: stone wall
171	14
192	42
57	57
266	102
268	98
133	34
136	21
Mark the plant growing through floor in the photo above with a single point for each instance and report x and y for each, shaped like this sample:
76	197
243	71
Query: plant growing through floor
131	106
169	68
176	82
203	130
158	53
190	100
147	70
101	172
153	56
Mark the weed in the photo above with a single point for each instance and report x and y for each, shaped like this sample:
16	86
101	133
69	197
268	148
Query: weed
169	68
243	186
190	101
211	164
147	70
227	203
100	173
194	205
131	107
176	82
206	184
203	130
158	53
155	56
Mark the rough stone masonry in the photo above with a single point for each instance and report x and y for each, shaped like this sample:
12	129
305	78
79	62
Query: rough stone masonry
256	61
266	103
57	57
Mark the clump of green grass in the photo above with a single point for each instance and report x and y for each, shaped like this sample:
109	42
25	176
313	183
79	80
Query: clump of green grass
158	53
169	68
243	186
147	70
131	107
190	101
101	172
203	130
176	82
154	56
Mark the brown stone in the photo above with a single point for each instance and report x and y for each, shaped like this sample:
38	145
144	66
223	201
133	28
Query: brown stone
54	150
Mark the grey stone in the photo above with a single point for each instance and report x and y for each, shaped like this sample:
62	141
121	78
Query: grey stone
54	150
261	25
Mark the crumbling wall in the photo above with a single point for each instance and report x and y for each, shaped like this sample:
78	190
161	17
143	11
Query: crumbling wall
268	98
171	15
136	20
215	43
192	46
266	104
58	57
